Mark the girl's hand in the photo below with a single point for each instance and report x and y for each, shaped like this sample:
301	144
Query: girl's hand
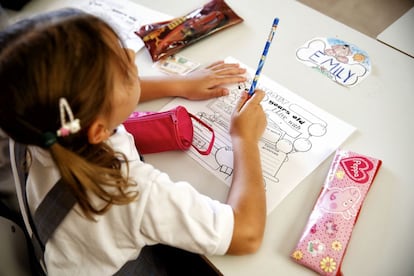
248	120
202	84
247	195
208	82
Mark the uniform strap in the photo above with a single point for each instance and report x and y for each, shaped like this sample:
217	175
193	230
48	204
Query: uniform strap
53	209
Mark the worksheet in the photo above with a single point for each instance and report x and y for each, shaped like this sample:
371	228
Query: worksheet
298	137
125	17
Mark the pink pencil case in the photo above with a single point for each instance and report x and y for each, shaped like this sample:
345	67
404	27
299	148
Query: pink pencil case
328	231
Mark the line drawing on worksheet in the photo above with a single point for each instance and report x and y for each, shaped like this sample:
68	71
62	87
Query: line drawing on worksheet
290	129
298	136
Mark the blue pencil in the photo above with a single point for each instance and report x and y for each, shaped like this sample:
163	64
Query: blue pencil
263	58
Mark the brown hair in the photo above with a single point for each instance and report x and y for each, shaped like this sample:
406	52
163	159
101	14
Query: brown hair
71	54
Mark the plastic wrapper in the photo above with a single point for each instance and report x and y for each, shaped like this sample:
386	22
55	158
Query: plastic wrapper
165	38
326	236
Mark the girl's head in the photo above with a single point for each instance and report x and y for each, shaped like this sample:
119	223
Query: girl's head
67	54
76	56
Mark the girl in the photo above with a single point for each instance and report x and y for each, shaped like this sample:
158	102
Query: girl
67	86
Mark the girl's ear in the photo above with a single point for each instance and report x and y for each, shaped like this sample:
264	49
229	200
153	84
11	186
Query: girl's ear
98	132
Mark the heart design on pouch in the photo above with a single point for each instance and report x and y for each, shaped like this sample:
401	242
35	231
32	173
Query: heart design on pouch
357	168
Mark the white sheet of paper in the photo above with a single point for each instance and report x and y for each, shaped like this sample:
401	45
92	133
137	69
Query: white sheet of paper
125	17
299	136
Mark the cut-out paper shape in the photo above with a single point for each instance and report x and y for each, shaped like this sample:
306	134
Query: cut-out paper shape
340	61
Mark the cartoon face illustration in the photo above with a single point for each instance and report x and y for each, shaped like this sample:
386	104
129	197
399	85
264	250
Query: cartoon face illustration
315	247
338	60
342	201
339	51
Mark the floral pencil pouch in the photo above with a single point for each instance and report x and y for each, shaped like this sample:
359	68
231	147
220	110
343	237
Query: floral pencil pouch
326	236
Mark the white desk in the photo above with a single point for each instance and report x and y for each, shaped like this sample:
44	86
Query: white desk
380	107
399	34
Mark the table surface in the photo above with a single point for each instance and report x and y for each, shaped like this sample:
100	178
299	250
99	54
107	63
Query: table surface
400	34
380	107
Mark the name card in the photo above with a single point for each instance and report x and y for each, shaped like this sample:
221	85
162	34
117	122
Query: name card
338	60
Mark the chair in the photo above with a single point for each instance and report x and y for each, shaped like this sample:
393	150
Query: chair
18	162
15	253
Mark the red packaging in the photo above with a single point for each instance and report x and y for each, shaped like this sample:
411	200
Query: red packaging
328	231
166	38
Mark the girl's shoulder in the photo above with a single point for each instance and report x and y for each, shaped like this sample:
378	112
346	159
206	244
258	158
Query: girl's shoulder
122	141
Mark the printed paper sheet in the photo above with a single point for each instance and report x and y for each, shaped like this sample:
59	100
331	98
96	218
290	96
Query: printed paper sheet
299	136
125	17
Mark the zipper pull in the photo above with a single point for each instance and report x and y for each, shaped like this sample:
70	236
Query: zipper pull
174	117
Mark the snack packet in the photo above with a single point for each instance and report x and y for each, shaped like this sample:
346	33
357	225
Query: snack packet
176	65
165	38
328	231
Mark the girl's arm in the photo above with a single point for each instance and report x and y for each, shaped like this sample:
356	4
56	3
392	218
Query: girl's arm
201	84
247	192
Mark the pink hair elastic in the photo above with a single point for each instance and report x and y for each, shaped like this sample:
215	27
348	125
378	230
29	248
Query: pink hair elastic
70	127
328	231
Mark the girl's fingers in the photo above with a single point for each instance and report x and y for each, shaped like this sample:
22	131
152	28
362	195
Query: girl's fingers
214	64
220	67
257	97
224	80
230	71
241	101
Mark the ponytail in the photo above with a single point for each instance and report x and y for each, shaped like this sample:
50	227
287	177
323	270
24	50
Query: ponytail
72	55
100	179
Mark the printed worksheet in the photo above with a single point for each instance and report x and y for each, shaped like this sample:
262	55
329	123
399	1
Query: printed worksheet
299	136
125	17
